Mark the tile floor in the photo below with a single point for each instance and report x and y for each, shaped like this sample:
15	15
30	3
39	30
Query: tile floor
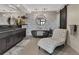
28	46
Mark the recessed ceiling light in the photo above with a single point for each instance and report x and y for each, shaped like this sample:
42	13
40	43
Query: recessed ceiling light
11	6
18	5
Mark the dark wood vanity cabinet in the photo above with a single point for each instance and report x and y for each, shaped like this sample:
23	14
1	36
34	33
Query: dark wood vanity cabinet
11	39
2	45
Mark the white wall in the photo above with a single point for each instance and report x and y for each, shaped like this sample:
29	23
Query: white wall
52	22
3	20
4	16
73	18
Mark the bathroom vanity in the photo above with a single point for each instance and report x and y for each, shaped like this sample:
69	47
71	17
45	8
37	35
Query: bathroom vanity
9	37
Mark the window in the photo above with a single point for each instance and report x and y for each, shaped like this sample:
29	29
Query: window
42	21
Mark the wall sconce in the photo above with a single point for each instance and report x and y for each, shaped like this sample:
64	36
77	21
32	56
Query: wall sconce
73	29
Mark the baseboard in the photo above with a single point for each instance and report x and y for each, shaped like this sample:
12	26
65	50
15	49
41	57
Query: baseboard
76	50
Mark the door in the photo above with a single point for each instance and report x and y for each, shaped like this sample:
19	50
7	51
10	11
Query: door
63	18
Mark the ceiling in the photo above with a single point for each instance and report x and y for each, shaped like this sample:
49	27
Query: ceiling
42	7
30	7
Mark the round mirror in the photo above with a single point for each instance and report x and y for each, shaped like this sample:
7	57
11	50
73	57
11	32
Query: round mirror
40	19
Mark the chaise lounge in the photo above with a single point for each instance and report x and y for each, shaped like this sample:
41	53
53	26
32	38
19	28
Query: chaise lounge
58	39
